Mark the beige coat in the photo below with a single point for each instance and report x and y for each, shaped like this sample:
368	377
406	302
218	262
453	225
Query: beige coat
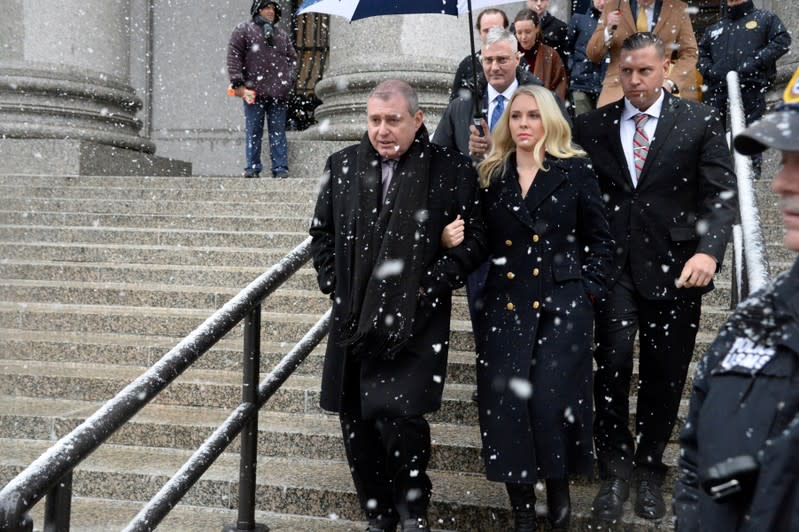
673	26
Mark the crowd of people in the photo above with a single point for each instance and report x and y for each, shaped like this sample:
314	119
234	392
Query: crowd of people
585	196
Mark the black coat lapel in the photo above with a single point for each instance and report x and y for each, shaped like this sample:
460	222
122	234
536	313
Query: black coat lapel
612	128
509	196
546	182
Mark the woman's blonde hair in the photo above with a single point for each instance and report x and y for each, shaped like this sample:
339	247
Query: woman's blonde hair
557	139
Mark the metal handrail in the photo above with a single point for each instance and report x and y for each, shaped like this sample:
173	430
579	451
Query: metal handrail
51	474
749	252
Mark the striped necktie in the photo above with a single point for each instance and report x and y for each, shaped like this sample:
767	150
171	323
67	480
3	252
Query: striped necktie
640	144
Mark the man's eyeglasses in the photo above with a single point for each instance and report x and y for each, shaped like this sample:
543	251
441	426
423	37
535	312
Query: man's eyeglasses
500	60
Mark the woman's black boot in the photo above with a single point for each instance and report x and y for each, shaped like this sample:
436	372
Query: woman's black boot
559	506
522	502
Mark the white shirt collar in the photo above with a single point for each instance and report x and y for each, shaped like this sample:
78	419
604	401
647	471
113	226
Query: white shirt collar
654	110
507	93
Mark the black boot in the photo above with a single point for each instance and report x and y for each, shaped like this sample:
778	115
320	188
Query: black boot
522	502
558	503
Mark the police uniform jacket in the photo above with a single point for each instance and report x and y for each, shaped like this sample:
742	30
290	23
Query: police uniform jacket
749	44
548	255
745	395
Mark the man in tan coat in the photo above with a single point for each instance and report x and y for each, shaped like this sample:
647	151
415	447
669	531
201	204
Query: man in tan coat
668	19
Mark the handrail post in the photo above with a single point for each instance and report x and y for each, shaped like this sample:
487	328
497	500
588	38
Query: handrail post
249	436
58	505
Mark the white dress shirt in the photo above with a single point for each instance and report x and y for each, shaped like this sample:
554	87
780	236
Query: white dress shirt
627	129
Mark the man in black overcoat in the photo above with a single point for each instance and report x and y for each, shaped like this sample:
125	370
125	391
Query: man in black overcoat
376	248
668	182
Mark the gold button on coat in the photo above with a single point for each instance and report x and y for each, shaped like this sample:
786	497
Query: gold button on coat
509	306
536	272
511	275
535	238
536	304
508	243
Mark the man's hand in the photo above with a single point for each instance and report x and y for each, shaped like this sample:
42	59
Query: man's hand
697	272
453	233
614	17
479	145
248	95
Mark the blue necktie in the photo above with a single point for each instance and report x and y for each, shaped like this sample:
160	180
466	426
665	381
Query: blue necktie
497	111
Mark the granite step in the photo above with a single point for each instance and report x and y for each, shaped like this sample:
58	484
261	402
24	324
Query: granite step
157	182
262	222
463	502
176	274
173	193
309	436
212	275
261	256
196	387
152	237
102	515
162	321
154	295
312	436
206	388
143	351
156	206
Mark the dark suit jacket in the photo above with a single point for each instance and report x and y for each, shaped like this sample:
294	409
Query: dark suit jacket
412	383
684	203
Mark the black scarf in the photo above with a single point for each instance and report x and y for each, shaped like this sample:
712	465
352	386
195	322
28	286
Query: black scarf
268	28
387	255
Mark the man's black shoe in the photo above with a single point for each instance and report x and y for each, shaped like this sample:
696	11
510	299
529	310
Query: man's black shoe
609	502
281	175
250	173
382	524
415	524
649	500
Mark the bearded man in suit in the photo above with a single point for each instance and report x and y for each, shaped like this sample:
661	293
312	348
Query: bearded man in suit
666	174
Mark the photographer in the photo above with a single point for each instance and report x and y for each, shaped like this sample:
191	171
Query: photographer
739	454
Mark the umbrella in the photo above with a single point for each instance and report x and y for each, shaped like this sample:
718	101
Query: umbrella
358	9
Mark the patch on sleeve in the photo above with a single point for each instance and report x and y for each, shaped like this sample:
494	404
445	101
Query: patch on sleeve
747	355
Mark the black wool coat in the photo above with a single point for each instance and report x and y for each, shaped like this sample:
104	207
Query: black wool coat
685	199
411	383
545	265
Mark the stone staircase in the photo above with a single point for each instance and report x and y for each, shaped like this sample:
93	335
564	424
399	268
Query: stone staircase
99	277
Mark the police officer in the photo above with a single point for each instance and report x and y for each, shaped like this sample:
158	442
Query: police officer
740	443
749	41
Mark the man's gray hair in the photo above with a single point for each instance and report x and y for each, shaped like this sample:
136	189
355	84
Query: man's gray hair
394	87
497	34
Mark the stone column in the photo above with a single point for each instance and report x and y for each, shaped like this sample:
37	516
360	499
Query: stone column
423	50
66	105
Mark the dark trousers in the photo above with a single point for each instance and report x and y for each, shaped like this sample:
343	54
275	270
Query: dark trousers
667	332
388	459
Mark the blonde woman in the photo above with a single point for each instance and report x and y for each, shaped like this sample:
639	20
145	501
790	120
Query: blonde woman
550	244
